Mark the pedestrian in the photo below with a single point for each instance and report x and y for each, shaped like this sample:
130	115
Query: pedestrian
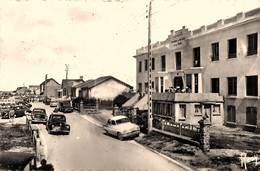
11	115
45	166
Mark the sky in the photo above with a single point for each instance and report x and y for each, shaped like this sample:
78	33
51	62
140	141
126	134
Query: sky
96	38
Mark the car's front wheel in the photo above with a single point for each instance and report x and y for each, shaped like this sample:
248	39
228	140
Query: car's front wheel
119	135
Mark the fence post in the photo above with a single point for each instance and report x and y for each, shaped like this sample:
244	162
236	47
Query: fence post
204	135
81	106
115	110
180	125
97	105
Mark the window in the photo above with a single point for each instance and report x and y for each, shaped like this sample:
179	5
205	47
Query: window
146	65
252	85
188	81
215	51
140	87
156	84
153	84
232	86
196	83
196	55
232	48
251	115
146	87
231	113
252	44
140	66
64	92
198	109
169	110
113	122
178	60
163	62
215	85
161	78
182	111
216	108
153	64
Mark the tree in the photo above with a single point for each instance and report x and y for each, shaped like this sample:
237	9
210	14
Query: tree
120	100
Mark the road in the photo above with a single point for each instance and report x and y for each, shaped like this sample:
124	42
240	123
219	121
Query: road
88	148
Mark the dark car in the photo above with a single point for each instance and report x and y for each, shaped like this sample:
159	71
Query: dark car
39	115
57	124
46	101
20	110
65	106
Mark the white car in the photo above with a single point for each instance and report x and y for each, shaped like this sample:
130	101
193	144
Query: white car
53	103
121	127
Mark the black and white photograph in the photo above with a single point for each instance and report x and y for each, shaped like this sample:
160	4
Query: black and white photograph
129	85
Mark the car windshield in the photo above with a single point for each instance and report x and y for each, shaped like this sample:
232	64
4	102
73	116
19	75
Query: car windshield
39	115
66	104
39	110
58	118
123	120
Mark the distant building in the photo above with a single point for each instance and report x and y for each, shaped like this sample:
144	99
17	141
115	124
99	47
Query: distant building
21	90
67	87
104	88
34	89
52	88
222	58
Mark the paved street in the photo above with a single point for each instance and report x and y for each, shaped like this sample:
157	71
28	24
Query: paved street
88	148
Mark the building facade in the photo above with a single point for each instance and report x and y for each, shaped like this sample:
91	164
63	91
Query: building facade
104	88
52	88
222	58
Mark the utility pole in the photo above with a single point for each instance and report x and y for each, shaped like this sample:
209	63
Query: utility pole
45	91
149	117
67	70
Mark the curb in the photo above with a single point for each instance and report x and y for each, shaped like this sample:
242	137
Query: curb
98	123
164	156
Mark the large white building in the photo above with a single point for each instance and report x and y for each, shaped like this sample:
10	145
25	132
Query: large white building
222	57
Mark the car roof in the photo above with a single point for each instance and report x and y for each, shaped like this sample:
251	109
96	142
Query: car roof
57	114
38	109
118	117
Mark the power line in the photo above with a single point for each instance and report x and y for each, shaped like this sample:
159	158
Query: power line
165	8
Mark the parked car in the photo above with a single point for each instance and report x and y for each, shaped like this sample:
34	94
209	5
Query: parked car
54	103
39	116
20	110
5	109
65	106
46	100
57	123
121	127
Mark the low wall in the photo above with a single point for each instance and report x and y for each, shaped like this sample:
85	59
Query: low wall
38	141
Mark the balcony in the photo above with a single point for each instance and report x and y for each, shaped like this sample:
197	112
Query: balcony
188	97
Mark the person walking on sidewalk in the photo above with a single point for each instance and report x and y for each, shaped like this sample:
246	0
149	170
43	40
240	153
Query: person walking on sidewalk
11	115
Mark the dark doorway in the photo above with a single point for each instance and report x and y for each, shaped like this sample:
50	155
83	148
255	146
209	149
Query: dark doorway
178	82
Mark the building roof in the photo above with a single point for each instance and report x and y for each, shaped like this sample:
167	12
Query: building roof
34	86
142	104
131	101
48	80
65	82
92	83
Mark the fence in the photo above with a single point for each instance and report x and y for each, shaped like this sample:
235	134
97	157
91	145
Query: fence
192	131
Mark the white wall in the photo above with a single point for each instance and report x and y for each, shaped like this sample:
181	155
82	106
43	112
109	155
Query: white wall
108	90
